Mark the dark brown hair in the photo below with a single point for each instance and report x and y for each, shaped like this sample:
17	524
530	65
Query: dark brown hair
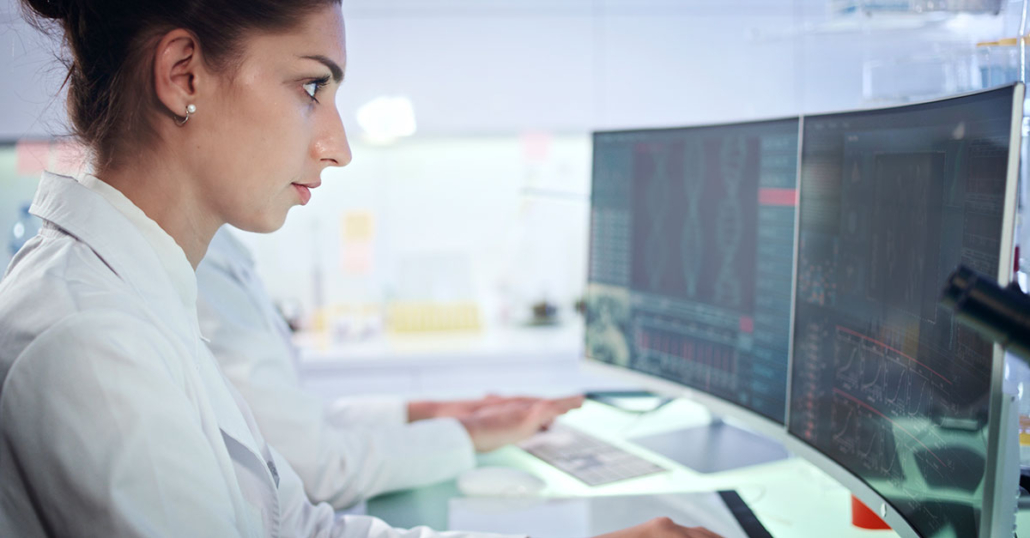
111	46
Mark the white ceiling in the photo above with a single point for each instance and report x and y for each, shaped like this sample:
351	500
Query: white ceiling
509	66
541	7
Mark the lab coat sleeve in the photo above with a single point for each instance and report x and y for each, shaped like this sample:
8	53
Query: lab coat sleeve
300	518
104	439
368	410
339	461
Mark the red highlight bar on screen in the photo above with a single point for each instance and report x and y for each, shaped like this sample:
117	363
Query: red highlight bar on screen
780	197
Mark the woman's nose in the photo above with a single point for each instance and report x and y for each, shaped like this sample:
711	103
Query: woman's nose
334	148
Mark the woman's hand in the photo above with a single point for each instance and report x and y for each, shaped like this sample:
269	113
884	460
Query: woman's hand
421	410
492	426
661	527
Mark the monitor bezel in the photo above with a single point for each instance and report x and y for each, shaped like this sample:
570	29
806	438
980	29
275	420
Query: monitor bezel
734	414
780	432
699	126
993	486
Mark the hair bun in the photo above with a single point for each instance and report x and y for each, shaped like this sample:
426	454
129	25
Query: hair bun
51	9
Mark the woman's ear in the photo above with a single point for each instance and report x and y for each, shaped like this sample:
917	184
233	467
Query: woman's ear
177	71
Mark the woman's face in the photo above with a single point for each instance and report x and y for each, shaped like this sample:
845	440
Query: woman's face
270	131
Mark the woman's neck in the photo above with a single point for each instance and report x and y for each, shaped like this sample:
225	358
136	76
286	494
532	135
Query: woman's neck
164	192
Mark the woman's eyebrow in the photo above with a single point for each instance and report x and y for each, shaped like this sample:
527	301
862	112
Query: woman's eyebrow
333	66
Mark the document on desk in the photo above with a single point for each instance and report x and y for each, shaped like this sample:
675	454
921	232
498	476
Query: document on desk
723	513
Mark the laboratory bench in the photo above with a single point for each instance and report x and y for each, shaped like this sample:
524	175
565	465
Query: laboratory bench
507	360
790	497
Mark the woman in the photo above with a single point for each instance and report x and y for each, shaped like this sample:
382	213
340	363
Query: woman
114	418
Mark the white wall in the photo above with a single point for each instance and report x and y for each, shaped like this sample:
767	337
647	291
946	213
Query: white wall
481	73
514	228
30	106
505	66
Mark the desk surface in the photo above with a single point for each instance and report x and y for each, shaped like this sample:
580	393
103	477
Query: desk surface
790	497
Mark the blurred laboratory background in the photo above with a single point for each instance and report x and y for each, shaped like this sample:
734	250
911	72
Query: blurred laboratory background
461	227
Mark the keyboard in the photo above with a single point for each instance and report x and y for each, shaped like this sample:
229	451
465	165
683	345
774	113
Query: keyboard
588	459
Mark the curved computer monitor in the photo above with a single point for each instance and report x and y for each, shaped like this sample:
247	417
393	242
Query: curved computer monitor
691	263
888	393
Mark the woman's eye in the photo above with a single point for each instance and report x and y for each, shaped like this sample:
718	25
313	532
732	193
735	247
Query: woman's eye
312	88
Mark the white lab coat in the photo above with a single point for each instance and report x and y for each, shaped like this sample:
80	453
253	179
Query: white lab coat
114	418
344	452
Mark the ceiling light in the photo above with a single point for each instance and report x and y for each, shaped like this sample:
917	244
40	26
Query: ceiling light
385	119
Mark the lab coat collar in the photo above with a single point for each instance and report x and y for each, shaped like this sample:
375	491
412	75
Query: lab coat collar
121	240
169	253
227	250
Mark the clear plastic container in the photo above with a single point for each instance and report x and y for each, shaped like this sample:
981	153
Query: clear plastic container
921	76
998	62
868	7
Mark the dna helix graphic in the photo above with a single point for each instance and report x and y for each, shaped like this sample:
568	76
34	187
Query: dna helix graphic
728	223
656	197
692	241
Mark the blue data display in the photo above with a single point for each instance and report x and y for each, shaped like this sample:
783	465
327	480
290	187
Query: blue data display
884	381
691	254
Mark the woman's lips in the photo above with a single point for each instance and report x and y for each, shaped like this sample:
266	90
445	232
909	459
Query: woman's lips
304	192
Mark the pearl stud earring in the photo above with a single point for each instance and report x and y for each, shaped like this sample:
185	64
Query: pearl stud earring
190	109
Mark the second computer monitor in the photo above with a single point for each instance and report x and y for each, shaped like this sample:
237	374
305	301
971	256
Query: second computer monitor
691	255
886	383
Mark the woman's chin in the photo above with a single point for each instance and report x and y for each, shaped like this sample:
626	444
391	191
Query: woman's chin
263	224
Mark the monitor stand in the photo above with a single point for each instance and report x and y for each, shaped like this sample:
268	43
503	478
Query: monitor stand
714	447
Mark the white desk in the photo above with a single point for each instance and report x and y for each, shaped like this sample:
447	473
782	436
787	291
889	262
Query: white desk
792	497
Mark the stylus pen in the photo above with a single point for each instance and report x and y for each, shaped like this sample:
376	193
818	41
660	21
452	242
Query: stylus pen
999	314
